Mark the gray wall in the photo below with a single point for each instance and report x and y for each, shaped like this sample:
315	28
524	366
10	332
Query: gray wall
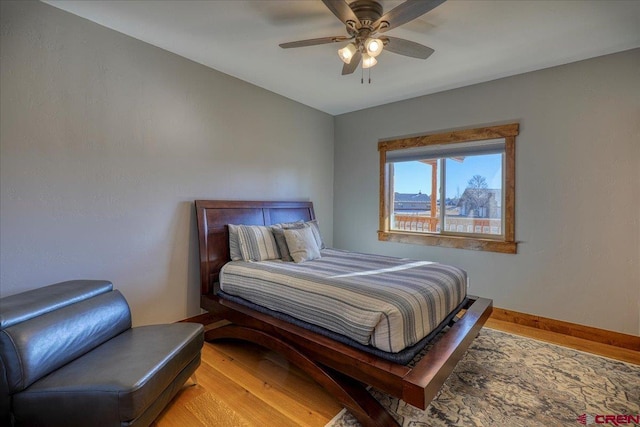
577	187
105	141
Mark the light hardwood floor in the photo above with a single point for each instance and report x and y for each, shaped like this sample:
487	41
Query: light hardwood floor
240	384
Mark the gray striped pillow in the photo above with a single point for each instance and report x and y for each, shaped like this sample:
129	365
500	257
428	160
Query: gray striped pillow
257	243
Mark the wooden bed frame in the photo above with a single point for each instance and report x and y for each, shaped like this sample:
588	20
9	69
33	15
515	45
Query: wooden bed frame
342	370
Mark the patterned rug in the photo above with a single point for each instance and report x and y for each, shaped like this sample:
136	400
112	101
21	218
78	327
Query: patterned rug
507	380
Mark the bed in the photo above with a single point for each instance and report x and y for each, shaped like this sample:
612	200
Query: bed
343	368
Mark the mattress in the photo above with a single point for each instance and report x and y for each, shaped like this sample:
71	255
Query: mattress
384	302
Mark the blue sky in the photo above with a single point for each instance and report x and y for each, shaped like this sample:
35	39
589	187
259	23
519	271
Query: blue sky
411	177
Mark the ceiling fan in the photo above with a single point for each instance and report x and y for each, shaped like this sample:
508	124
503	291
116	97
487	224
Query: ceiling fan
364	20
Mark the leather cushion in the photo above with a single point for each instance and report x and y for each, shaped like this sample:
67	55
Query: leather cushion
38	346
152	412
27	305
115	382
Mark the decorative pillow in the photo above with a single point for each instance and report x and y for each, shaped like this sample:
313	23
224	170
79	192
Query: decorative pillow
257	243
234	243
302	244
281	242
295	224
315	227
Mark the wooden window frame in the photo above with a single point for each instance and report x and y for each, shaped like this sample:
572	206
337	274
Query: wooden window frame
507	244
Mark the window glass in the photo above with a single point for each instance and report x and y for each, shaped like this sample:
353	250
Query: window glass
414	189
472	194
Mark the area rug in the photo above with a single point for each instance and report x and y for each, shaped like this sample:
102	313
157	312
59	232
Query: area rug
508	380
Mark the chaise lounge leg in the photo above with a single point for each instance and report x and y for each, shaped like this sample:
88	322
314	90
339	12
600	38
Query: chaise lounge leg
192	381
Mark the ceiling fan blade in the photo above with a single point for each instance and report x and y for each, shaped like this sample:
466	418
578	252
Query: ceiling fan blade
313	42
351	66
406	47
341	9
405	12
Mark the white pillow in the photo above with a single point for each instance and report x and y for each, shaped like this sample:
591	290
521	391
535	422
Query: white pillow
234	243
302	244
315	227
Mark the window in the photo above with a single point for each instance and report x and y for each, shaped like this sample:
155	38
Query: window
454	189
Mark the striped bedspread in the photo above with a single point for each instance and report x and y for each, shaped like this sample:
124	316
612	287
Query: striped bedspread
385	302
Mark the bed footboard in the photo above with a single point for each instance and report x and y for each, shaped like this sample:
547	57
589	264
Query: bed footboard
426	379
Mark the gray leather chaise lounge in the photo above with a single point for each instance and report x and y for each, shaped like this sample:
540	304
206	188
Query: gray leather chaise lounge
69	357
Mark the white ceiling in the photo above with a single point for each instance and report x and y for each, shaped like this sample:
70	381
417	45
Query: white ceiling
474	41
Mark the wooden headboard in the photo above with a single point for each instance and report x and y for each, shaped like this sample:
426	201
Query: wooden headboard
213	233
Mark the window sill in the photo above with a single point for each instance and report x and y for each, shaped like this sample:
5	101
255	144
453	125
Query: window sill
457	242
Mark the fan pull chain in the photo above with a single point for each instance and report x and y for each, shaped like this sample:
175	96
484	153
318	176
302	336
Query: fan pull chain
362	75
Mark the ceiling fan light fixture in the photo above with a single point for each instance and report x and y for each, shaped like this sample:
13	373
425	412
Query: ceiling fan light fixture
373	46
368	61
365	22
347	52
